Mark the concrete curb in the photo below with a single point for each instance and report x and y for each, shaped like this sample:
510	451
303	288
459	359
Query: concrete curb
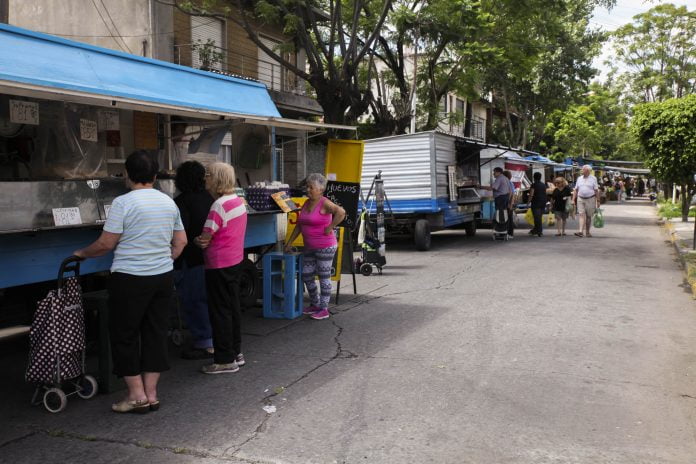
686	256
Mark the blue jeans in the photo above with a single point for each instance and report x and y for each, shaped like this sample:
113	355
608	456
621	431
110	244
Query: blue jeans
190	286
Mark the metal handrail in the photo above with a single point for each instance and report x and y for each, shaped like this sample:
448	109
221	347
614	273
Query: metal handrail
273	74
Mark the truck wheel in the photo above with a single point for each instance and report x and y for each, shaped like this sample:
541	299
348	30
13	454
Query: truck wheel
470	229
248	284
421	235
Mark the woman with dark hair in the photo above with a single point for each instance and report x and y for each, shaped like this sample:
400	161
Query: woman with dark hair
145	231
194	202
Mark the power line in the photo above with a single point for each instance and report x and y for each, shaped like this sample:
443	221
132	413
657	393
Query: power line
107	27
115	28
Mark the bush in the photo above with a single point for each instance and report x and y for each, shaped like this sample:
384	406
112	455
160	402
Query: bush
669	210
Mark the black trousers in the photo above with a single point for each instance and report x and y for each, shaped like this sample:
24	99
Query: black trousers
225	312
511	222
538	213
139	321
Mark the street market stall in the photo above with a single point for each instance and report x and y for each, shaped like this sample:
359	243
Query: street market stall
70	113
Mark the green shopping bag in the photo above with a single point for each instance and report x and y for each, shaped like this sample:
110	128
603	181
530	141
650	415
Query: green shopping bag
598	219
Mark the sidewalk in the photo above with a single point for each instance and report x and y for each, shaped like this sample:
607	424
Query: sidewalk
681	234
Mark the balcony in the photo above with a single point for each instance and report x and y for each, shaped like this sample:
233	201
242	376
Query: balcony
473	127
287	90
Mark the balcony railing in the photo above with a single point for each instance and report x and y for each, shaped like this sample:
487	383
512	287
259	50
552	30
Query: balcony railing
275	75
473	127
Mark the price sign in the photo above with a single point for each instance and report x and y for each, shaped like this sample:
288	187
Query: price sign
24	112
88	130
346	195
66	216
108	120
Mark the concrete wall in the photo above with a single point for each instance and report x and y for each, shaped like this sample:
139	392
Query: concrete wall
124	25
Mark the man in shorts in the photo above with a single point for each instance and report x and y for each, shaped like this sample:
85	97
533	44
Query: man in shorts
586	199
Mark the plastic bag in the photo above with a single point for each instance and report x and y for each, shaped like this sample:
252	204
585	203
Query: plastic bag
529	217
598	219
550	219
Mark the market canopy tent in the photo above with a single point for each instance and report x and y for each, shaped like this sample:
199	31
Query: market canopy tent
44	66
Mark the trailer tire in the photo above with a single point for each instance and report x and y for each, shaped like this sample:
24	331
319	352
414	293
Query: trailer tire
421	235
470	229
248	284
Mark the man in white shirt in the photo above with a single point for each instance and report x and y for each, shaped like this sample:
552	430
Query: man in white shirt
586	199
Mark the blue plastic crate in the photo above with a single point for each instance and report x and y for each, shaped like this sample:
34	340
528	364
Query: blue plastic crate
282	285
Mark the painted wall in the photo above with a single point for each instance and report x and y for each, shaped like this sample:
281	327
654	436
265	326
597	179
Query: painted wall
140	27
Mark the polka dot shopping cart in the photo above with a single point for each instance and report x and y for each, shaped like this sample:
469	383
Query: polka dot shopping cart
57	343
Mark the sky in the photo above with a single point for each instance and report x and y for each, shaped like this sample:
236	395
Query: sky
621	14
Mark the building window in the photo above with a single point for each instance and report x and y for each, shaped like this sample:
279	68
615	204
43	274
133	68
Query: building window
207	38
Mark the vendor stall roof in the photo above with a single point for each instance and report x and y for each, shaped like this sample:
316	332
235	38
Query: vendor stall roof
43	66
626	170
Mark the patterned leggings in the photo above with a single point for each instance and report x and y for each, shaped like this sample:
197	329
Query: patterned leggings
318	262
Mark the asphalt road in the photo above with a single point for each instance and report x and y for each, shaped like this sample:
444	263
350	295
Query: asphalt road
540	350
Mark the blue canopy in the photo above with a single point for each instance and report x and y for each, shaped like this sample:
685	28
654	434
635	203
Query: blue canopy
44	66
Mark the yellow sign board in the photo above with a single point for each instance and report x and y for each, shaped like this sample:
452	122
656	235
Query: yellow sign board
344	160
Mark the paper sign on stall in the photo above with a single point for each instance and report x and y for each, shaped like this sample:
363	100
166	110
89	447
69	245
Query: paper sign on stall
24	112
67	216
108	120
88	130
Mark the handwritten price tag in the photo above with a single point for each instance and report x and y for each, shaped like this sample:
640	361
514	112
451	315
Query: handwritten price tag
88	130
108	120
67	216
24	112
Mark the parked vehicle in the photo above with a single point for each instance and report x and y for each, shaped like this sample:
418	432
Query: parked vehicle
430	179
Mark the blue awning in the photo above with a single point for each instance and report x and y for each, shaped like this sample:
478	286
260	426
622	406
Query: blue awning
44	66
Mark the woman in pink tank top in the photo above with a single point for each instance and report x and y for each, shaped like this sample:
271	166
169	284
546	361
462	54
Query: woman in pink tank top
316	222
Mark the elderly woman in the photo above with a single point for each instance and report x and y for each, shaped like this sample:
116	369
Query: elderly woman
144	227
222	240
194	203
559	199
316	222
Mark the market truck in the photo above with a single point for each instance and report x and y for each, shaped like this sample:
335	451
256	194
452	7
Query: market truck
430	179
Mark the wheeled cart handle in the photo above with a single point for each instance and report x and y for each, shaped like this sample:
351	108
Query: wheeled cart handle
70	264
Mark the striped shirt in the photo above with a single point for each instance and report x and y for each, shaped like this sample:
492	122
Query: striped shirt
226	223
146	220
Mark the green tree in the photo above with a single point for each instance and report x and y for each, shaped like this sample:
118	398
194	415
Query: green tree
601	119
442	39
546	64
667	130
659	49
337	36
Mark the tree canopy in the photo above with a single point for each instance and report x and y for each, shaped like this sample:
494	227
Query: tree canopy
667	130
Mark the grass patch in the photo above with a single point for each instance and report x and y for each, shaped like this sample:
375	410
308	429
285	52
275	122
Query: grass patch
670	210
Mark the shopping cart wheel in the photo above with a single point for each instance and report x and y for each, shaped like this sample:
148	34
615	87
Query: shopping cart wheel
366	269
87	387
178	337
54	400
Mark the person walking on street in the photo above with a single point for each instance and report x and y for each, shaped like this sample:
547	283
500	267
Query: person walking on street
222	240
145	229
317	220
511	205
641	187
194	202
586	199
537	201
559	201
